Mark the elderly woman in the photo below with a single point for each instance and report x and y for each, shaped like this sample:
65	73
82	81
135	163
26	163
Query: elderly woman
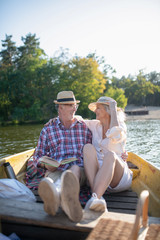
103	163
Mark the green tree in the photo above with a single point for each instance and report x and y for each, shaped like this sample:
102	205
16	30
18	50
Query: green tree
118	95
8	57
142	89
153	77
9	53
83	77
31	58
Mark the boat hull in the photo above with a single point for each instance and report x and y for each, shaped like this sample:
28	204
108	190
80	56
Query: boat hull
147	177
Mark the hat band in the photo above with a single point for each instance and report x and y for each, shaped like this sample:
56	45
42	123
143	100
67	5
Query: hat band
66	100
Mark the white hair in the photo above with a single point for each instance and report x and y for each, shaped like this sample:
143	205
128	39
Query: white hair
120	113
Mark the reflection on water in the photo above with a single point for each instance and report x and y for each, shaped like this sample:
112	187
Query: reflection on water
143	139
15	139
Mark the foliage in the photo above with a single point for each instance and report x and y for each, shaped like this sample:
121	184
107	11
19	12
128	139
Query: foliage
82	76
9	53
143	89
118	95
30	81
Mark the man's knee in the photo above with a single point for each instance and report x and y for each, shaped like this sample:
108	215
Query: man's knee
75	168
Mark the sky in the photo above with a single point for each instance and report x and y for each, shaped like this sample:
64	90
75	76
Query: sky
125	32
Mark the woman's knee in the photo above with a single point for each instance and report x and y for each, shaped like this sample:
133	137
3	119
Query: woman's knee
89	153
110	157
88	150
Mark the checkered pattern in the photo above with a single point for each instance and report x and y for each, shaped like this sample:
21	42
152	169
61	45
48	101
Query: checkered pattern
59	143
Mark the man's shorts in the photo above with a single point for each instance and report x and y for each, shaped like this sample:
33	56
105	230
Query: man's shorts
57	175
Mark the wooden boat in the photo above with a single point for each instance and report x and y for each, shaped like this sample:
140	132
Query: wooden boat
121	206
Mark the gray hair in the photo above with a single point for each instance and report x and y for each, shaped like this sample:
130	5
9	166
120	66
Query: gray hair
107	108
120	113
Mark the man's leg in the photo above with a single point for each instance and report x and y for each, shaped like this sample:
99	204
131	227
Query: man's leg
49	192
70	188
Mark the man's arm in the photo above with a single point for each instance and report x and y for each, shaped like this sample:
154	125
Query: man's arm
42	150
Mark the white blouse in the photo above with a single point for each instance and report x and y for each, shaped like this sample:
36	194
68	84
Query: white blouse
115	138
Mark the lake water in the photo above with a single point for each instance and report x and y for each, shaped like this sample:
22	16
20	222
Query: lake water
143	139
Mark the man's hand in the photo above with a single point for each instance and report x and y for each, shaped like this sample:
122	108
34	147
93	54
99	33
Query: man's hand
50	168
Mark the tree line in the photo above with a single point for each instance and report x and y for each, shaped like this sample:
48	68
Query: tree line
30	81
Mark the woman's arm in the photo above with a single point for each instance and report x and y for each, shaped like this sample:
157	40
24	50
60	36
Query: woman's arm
50	122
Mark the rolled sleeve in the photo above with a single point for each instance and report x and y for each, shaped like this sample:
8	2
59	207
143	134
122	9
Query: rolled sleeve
116	134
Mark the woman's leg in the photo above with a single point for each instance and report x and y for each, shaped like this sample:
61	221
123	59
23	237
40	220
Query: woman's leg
118	173
91	164
110	173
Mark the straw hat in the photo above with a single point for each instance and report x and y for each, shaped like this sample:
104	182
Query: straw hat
66	97
102	100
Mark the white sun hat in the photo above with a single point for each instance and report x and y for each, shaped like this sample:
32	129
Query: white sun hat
101	100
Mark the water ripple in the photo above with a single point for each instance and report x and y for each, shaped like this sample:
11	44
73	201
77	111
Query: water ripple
143	139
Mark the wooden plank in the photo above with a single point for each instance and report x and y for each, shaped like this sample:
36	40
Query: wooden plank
123	211
122	194
122	202
30	218
121	205
33	213
121	199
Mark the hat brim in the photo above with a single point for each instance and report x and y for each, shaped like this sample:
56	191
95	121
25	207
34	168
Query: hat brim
69	102
92	106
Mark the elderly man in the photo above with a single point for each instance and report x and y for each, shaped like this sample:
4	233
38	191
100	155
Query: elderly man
63	139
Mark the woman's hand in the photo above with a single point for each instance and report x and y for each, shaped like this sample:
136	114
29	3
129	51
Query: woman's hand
124	156
50	122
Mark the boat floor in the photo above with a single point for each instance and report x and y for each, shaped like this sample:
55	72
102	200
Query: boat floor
30	221
122	202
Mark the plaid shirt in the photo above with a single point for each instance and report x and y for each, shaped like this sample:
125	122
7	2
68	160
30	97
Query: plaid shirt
57	142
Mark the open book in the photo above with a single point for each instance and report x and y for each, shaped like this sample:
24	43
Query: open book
54	163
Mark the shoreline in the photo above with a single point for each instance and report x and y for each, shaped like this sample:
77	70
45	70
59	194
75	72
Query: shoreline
154	112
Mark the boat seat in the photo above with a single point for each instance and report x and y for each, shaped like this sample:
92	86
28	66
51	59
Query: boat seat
153	232
117	229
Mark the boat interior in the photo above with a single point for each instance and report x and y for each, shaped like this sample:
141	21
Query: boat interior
30	221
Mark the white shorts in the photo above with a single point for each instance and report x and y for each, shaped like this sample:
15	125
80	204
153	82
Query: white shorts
125	181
